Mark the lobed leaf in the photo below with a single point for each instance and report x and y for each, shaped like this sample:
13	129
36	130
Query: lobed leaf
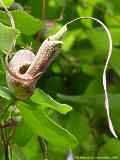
45	101
27	24
7	37
42	125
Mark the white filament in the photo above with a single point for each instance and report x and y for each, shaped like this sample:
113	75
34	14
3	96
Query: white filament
105	70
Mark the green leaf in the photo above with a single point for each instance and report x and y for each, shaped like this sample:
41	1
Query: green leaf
27	24
81	130
7	2
22	134
100	43
96	102
5	93
32	150
2	155
115	36
18	153
81	100
68	41
45	101
7	36
115	61
42	125
110	149
115	7
94	87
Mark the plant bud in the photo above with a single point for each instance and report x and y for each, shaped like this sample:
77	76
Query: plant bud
20	83
24	68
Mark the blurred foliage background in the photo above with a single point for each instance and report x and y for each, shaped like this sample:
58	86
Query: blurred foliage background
75	76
